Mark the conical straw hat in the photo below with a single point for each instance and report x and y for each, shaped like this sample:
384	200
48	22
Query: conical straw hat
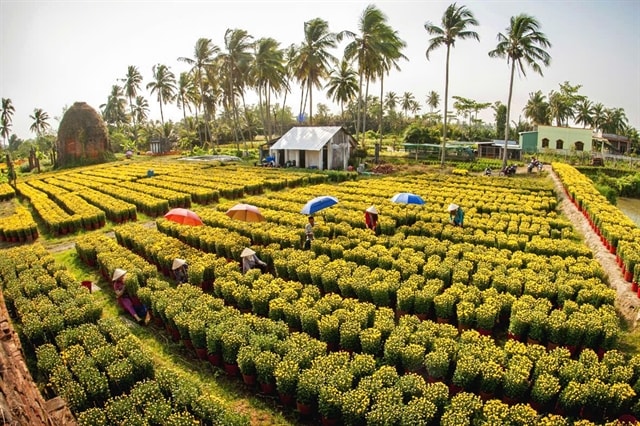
247	252
118	273
372	210
452	207
178	263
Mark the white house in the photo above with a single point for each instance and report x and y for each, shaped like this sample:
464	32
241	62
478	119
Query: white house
322	148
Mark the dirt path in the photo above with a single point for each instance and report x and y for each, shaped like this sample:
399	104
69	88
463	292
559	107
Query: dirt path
627	302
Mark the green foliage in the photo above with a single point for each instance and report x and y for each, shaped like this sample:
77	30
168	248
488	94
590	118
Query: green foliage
416	133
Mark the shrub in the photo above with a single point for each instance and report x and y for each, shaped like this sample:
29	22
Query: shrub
286	375
545	388
266	364
412	357
371	341
329	402
419	411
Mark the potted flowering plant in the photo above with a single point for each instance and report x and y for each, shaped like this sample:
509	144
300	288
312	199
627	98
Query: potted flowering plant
437	364
286	375
371	341
329	403
246	363
412	357
544	391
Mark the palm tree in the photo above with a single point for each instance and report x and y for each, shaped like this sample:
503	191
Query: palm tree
141	109
584	113
523	45
203	56
405	103
343	85
560	108
433	100
235	61
615	121
455	23
313	61
290	55
186	93
114	111
39	126
537	109
5	118
598	115
132	82
164	85
375	49
269	76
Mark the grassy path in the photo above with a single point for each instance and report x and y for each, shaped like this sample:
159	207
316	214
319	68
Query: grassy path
174	356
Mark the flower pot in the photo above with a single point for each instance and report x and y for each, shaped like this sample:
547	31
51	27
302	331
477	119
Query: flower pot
484	331
332	347
249	379
286	399
422	317
441	320
454	389
175	334
188	344
485	396
531	341
206	286
400	313
267	388
232	370
330	421
628	276
634	287
551	346
514	337
215	359
509	400
201	353
304	409
612	249
157	320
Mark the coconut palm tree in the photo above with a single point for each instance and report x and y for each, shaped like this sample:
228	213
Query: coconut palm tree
5	118
537	109
598	115
132	82
522	45
560	108
313	61
375	49
164	85
235	62
203	56
584	113
268	74
114	111
141	109
405	102
433	100
615	121
454	26
187	94
343	85
39	126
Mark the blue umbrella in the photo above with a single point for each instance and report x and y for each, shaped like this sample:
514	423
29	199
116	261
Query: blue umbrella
407	198
318	204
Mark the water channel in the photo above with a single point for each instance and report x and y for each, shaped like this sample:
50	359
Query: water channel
630	207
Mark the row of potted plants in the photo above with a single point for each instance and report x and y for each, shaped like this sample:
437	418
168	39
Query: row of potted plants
18	227
6	192
56	219
199	194
173	197
613	225
94	363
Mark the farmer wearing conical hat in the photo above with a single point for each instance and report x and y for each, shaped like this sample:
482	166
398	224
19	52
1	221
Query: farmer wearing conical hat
371	218
456	215
250	261
129	303
179	269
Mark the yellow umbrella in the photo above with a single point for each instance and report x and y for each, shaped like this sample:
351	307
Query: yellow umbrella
245	213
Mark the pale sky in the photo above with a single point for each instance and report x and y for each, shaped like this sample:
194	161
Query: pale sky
54	53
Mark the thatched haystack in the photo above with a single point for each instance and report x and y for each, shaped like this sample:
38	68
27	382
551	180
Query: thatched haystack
83	137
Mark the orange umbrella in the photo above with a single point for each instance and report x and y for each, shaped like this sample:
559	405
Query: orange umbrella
183	216
245	213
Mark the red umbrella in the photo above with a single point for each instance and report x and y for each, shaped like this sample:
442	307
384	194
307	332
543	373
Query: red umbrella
183	216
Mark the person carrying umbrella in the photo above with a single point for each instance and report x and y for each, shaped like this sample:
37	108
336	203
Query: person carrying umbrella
250	261
179	268
308	233
130	303
371	218
456	215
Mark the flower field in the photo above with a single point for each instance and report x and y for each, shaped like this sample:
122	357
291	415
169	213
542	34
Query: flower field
508	320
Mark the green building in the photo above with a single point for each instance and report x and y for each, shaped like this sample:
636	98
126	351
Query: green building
558	139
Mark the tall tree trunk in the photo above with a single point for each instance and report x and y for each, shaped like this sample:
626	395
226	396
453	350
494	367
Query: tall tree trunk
359	100
161	113
284	103
364	114
446	103
506	126
310	104
381	109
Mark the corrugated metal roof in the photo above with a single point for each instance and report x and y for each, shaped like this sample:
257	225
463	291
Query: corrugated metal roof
306	138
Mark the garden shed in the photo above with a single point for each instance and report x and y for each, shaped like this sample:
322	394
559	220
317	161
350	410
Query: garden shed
322	148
